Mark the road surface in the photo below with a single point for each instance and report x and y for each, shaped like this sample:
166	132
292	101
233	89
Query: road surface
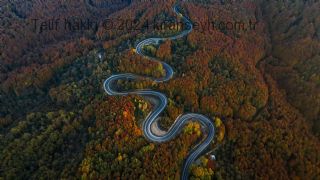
150	127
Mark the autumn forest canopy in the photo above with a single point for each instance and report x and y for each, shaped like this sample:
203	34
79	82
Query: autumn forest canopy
252	67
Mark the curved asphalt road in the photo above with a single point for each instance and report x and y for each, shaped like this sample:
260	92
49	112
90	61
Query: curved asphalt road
154	115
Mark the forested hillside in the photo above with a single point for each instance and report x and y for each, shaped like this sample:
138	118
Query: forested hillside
260	86
294	60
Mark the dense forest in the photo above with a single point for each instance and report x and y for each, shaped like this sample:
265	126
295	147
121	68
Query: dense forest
261	88
294	59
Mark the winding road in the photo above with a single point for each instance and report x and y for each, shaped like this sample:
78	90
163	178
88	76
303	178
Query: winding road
150	126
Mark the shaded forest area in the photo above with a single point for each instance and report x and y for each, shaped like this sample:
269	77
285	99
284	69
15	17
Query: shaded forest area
57	122
294	59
